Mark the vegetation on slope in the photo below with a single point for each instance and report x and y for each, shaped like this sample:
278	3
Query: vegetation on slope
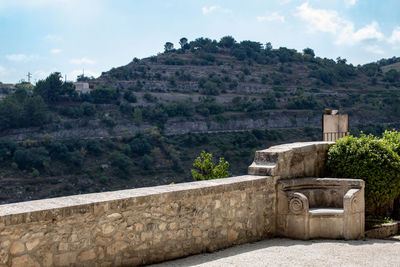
216	82
47	167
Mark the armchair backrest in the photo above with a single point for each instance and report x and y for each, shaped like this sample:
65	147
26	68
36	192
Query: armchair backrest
321	192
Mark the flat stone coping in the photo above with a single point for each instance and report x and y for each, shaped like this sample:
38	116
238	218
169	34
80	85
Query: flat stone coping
87	199
298	145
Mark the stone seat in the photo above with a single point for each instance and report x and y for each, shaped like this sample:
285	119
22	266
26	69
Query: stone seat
320	208
326	212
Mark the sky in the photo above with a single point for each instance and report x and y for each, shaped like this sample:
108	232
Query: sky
72	36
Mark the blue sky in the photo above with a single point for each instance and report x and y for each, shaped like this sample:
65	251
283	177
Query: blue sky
43	36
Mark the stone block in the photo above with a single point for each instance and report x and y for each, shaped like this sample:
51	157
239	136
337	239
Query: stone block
17	248
87	255
65	259
31	244
304	159
25	261
116	247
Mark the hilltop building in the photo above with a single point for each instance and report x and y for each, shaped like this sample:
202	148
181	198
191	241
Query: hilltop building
82	87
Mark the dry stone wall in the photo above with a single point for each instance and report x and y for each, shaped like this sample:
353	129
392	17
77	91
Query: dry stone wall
139	226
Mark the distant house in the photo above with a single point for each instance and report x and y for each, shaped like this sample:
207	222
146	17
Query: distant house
82	87
6	89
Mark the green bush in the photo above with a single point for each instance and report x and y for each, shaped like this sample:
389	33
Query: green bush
149	97
205	168
140	145
122	163
130	97
88	109
104	95
7	148
36	157
371	159
392	137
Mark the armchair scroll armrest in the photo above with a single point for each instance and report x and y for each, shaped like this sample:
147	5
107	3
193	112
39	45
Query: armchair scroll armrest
353	201
298	203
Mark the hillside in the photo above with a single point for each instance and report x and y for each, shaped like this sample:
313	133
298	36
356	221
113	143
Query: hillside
144	123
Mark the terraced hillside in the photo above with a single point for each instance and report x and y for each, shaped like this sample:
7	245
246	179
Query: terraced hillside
144	123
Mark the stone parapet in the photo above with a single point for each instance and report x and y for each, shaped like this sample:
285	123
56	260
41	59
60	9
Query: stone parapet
139	226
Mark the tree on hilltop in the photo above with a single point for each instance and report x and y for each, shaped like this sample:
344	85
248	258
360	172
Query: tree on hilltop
168	47
53	89
227	42
268	46
308	51
184	43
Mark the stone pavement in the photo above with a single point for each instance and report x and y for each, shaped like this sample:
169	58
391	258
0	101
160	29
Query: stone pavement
286	252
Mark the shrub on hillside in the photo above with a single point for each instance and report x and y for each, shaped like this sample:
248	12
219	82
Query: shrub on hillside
130	97
104	95
36	157
122	163
7	148
371	159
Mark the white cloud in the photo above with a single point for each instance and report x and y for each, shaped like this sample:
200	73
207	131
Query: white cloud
52	38
16	57
330	21
21	57
2	70
212	9
395	37
55	51
369	32
350	3
272	17
320	19
208	10
81	61
374	49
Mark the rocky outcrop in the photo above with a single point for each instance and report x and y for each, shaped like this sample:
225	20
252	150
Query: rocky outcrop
95	128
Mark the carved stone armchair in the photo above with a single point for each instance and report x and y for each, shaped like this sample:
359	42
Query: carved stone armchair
320	208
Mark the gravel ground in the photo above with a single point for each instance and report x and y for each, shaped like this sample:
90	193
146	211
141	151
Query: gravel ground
287	252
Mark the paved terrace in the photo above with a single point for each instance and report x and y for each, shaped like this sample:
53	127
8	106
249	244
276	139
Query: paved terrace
286	252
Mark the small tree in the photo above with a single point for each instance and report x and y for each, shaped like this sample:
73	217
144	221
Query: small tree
227	42
309	52
137	116
53	89
168	47
268	46
184	43
205	168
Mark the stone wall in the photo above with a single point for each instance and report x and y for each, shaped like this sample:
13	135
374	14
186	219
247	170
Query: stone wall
139	226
